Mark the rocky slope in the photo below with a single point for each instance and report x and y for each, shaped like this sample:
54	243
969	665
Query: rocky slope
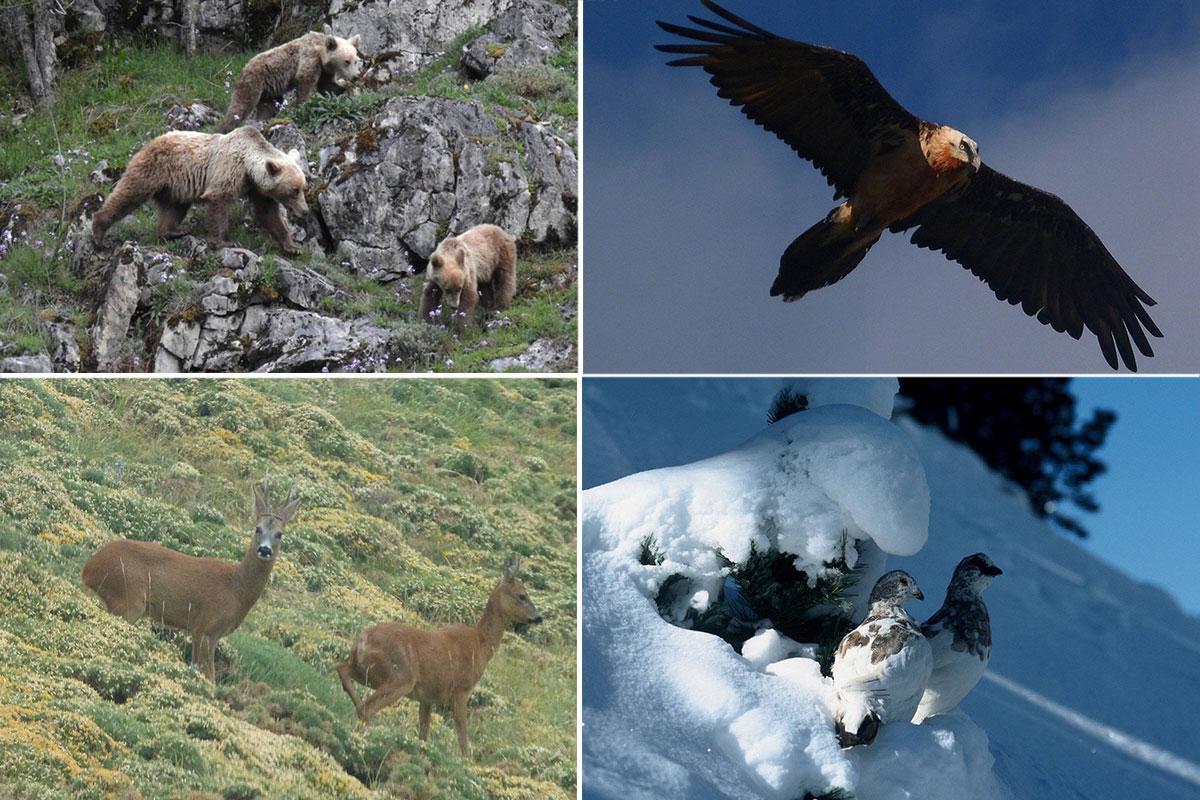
402	161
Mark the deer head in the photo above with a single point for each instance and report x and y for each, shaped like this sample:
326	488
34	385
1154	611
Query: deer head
268	530
512	596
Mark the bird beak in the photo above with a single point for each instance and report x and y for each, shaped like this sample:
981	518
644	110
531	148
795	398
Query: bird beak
917	593
976	162
993	571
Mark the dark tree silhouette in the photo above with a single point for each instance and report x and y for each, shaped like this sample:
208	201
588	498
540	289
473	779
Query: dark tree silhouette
1026	429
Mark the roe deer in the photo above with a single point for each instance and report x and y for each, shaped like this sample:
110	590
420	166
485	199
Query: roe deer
205	596
435	667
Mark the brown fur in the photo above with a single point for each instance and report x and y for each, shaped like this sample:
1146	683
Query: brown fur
313	61
181	168
481	261
438	667
205	596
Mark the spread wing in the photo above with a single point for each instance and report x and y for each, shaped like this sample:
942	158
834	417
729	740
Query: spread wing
1031	248
824	103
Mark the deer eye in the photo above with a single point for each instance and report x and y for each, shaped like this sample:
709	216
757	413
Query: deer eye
258	530
522	596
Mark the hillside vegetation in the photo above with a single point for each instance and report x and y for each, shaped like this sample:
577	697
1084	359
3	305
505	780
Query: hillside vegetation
414	491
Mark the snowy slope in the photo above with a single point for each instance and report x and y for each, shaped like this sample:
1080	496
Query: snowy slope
1091	687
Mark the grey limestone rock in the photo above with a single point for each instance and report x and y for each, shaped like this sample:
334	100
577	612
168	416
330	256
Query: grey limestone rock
530	32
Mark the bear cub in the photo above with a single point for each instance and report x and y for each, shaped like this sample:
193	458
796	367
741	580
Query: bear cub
480	262
313	61
184	167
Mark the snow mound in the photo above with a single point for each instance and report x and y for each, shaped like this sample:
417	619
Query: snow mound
810	485
670	712
873	394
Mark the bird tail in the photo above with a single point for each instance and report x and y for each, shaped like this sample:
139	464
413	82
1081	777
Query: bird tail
863	733
823	254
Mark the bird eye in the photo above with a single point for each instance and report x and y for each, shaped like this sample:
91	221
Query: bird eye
962	146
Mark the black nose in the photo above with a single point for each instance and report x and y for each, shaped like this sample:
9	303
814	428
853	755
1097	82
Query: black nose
537	619
264	552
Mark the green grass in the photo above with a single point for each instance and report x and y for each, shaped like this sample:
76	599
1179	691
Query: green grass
413	493
106	109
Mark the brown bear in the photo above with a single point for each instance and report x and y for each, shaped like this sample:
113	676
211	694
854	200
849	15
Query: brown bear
314	61
479	261
183	167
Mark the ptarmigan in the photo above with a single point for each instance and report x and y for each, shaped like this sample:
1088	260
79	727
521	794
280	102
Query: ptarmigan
881	667
961	637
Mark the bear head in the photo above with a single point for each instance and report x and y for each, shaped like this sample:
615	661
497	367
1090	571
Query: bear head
282	180
339	59
448	271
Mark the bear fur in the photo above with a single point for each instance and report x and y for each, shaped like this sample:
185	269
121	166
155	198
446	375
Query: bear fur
481	261
313	61
185	167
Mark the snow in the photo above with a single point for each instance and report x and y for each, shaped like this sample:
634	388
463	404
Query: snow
1089	693
812	485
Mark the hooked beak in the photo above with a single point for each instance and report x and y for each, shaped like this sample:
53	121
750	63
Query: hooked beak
993	571
917	593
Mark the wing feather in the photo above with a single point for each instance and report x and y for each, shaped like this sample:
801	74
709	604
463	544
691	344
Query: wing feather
1032	249
825	104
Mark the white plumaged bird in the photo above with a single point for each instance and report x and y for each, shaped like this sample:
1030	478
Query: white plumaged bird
960	636
881	667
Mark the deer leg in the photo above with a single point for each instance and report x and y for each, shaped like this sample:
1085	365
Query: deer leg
204	650
424	730
345	673
384	696
459	710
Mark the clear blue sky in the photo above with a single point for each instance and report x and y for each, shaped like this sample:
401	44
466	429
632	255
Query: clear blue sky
688	205
1149	519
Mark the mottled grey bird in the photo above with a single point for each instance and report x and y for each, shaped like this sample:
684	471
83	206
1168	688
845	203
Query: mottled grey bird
960	636
881	667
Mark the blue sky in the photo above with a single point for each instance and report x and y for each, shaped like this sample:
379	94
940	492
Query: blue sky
1149	521
687	205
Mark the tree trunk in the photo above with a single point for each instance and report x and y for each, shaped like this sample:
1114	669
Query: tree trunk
190	13
31	26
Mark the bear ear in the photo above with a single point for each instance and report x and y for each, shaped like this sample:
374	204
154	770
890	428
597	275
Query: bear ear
331	43
273	168
355	39
294	155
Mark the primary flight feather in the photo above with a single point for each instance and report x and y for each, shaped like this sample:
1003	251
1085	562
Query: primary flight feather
898	172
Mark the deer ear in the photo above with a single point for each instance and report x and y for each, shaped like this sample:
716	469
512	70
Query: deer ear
261	506
289	511
512	565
